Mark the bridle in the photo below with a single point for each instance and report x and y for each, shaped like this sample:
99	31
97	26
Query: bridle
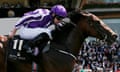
97	27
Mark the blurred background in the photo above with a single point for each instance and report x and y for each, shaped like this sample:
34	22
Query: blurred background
18	7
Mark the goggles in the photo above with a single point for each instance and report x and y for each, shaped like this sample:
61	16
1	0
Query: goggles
59	17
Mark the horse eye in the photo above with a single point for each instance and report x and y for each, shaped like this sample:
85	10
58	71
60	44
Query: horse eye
91	24
97	23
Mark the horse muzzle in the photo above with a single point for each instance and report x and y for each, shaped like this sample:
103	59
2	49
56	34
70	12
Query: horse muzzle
111	38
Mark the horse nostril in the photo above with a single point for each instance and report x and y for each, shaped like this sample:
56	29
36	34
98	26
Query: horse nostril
115	36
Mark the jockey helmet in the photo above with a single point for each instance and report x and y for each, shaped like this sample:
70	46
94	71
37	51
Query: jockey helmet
59	10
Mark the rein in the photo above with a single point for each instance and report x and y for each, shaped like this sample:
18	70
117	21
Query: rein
68	53
79	32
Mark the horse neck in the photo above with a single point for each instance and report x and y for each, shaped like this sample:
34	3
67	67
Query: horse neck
60	37
75	41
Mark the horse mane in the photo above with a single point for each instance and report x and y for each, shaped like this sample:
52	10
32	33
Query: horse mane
60	35
76	16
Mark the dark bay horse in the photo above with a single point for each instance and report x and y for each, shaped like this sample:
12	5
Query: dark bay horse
66	43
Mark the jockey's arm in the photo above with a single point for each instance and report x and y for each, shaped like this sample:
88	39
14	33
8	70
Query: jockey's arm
12	33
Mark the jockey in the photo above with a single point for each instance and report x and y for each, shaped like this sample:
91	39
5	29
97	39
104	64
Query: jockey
37	25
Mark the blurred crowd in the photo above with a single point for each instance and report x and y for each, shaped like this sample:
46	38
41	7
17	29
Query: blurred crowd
18	9
98	56
7	5
11	10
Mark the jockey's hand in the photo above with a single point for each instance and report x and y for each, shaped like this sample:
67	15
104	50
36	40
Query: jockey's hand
66	20
12	33
10	36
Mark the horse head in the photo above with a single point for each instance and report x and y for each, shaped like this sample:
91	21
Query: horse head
90	25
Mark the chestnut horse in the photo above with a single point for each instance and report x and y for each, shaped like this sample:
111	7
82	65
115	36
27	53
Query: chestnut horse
61	54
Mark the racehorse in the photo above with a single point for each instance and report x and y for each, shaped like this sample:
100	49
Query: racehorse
65	47
60	55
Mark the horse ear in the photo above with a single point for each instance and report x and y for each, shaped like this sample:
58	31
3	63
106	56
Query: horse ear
3	38
1	45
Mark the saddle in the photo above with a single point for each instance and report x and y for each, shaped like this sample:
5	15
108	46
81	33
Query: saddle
16	52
